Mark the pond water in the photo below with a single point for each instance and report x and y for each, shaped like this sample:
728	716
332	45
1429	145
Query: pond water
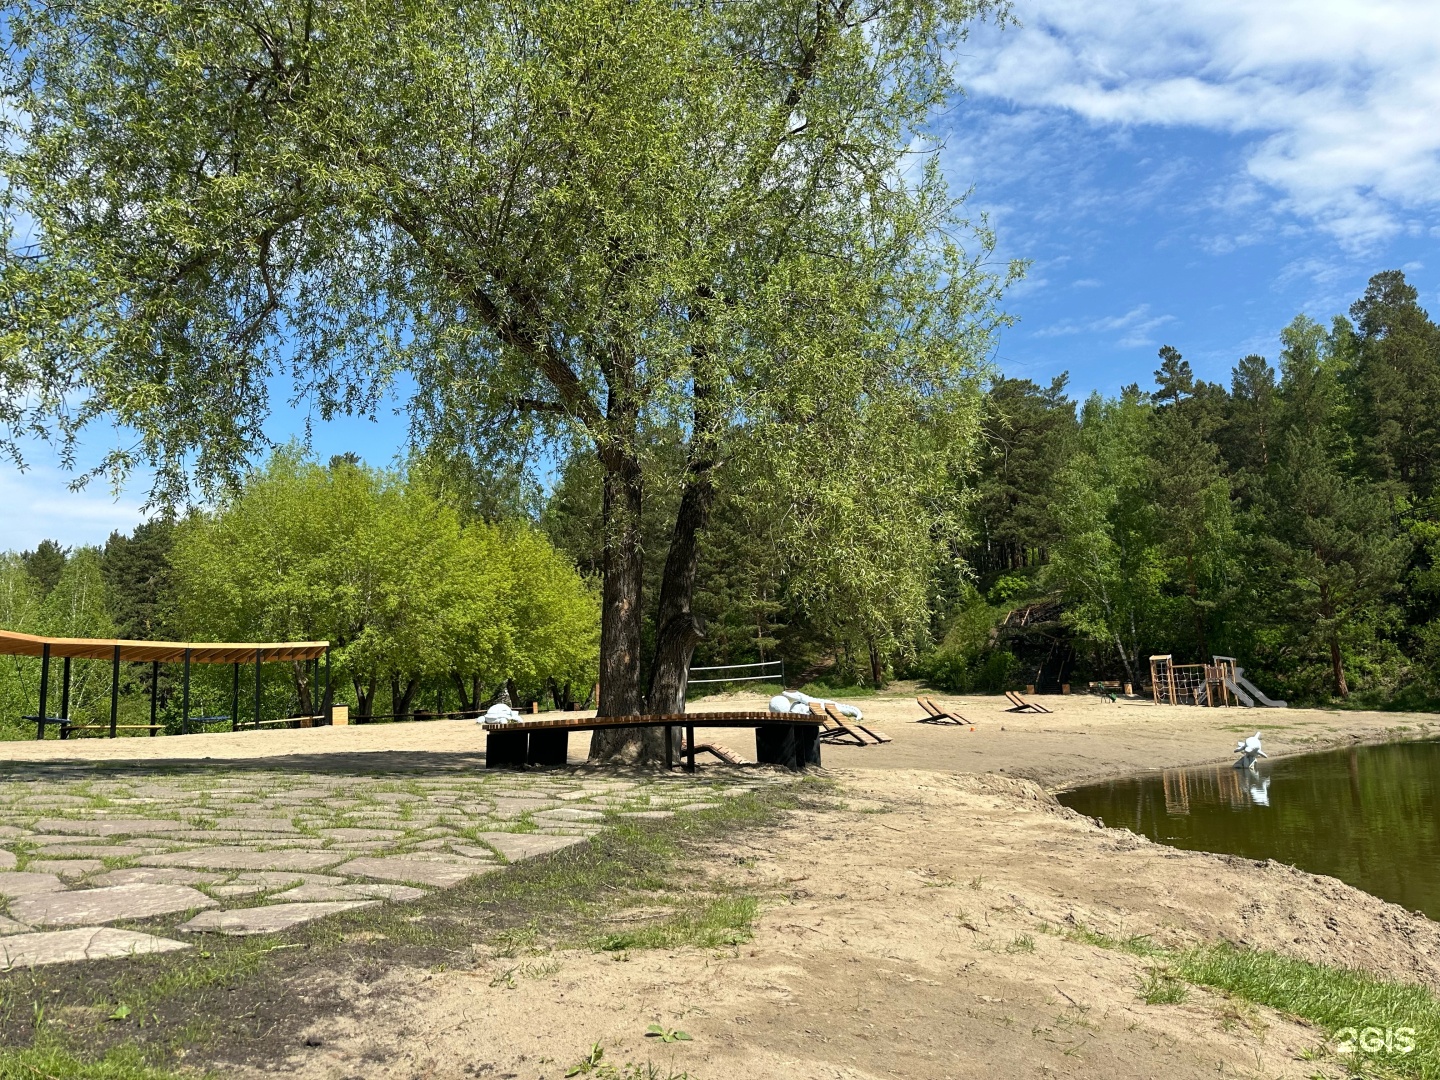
1369	815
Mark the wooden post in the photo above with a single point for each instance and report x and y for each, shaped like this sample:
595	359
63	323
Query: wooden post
185	698
114	691
327	703
154	692
235	697
257	689
44	689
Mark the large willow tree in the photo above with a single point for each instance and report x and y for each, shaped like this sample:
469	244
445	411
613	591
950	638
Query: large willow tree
573	222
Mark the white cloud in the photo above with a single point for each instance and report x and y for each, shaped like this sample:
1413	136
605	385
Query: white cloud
1338	97
1134	327
41	506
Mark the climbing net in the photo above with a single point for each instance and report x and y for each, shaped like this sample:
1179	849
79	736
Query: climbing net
1188	684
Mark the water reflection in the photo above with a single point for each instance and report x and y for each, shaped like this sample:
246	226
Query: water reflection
1237	788
1367	815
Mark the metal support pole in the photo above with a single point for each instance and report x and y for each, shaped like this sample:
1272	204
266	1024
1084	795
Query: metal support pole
257	689
114	691
185	698
235	697
44	689
65	697
154	696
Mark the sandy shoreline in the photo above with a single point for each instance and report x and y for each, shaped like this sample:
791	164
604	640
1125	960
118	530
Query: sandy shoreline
1084	739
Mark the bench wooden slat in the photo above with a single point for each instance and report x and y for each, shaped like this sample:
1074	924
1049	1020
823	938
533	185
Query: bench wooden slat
716	719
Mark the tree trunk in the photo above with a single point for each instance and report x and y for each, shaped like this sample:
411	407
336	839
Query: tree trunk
301	671
620	616
1341	687
400	699
875	670
364	698
677	629
467	700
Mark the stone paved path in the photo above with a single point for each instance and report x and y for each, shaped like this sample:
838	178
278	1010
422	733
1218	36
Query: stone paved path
245	849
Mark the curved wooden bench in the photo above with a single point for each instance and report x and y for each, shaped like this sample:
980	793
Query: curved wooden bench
789	740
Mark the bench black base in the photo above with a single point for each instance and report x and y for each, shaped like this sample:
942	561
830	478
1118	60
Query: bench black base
790	746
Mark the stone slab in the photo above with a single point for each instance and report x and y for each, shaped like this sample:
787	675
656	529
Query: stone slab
649	815
569	813
244	824
66	868
517	846
373	891
362	834
89	943
424	868
10	926
13	885
95	851
7	860
228	858
109	827
269	919
91	907
276	879
11	830
168	875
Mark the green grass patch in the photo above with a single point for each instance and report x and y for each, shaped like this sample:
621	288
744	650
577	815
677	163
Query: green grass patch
724	922
1375	1027
53	1063
1369	1021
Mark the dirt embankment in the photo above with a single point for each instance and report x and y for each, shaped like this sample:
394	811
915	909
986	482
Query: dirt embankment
916	930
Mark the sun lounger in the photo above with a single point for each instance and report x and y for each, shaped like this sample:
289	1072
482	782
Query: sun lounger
867	734
1019	704
937	715
831	732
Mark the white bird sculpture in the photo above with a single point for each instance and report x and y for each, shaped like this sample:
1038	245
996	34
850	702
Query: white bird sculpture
1249	749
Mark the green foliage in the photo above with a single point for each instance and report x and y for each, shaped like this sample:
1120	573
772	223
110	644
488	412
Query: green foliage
375	564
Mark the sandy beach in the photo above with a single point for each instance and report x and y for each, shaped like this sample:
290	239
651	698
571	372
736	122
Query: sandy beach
918	919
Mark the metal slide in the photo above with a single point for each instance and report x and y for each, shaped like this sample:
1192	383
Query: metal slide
1249	694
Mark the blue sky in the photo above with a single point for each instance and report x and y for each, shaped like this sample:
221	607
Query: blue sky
1192	172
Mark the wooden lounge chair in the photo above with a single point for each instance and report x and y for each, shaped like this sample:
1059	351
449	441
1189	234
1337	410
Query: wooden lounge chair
724	753
837	733
849	723
937	715
1019	704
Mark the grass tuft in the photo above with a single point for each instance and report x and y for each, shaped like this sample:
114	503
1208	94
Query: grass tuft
724	922
53	1063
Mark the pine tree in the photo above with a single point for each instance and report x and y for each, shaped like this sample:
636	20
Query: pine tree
1396	377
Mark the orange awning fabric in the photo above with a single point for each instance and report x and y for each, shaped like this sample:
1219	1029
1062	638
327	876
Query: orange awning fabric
166	652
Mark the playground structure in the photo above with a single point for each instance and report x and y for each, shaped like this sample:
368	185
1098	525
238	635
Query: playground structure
1213	685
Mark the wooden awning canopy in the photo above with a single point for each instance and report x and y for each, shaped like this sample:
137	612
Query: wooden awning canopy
165	652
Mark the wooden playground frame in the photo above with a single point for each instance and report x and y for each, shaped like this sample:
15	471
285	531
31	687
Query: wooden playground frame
1192	684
